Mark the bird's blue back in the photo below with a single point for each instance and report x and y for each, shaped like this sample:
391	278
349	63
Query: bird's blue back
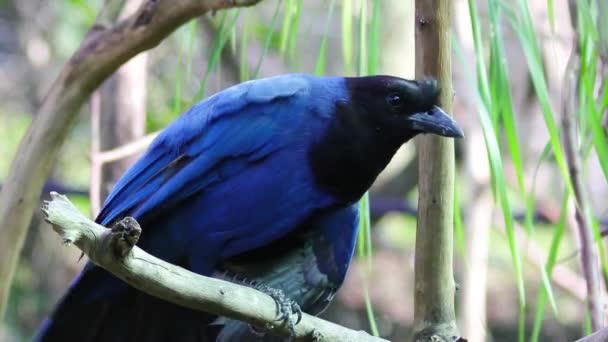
232	173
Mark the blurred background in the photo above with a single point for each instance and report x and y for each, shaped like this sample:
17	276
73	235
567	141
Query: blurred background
517	279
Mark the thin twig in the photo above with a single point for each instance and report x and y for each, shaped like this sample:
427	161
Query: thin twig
115	251
589	262
125	150
95	181
562	276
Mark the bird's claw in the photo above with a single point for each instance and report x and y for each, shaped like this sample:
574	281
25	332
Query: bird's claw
295	308
285	307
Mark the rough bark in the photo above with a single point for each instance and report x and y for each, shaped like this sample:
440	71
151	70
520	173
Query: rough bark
114	249
104	50
434	317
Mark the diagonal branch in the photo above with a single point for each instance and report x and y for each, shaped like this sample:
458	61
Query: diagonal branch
114	250
103	50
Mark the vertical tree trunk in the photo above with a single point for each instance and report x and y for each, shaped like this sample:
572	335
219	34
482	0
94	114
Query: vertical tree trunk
434	281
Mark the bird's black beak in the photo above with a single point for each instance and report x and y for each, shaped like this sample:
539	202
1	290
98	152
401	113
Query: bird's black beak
436	121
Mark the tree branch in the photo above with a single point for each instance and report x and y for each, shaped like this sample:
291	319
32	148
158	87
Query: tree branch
114	250
103	50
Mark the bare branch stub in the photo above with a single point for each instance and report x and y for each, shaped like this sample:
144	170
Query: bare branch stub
125	234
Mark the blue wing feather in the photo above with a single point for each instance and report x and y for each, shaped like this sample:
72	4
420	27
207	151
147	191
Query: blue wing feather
130	188
226	149
242	121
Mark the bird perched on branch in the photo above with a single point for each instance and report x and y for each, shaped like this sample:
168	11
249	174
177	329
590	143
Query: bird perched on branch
258	184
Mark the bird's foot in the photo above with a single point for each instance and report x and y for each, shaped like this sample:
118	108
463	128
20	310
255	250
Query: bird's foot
286	307
125	234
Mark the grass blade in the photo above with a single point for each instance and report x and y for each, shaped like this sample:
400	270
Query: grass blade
320	66
362	66
364	240
267	40
374	39
524	29
558	234
347	36
222	35
494	156
458	228
243	53
286	27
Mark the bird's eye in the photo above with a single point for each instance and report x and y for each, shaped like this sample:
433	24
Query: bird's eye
394	100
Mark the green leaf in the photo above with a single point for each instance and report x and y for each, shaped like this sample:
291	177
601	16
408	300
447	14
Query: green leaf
347	36
558	234
551	12
269	35
458	228
364	240
364	247
192	28
320	66
286	27
243	61
221	37
296	11
362	67
487	110
374	39
527	37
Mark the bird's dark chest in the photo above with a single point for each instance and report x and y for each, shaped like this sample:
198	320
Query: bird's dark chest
345	178
348	158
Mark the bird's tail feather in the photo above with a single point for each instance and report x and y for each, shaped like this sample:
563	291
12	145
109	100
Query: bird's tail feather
123	314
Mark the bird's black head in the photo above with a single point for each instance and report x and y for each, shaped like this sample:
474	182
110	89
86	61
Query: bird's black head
401	108
381	114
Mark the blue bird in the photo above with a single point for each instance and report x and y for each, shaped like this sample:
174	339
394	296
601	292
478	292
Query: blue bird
258	183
